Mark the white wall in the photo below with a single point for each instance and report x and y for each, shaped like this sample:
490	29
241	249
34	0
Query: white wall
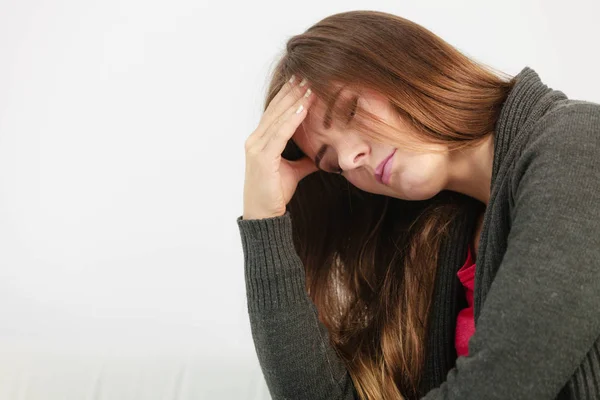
122	128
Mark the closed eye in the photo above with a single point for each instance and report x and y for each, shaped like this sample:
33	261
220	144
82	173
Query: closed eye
354	107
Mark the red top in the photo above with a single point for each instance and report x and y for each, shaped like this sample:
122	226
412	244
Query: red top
465	324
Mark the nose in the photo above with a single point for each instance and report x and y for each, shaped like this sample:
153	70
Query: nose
353	153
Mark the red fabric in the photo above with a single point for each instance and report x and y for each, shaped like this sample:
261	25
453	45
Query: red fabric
465	324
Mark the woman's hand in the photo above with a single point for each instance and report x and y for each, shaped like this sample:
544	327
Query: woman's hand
271	180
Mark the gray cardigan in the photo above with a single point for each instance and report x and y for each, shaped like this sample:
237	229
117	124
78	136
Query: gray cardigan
537	280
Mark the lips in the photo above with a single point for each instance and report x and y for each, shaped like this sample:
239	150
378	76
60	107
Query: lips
383	170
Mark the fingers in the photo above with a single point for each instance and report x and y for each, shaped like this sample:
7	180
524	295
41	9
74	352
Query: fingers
290	93
275	138
285	89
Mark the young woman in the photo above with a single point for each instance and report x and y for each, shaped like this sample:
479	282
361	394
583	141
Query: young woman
416	226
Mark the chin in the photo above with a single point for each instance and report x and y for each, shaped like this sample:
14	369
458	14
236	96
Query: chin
415	196
416	189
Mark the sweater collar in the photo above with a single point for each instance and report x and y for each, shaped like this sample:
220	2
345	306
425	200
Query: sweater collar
526	102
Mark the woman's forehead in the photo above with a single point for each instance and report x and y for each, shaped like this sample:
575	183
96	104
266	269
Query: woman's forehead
305	138
314	121
315	115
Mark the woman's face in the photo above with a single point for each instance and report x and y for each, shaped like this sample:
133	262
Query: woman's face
408	175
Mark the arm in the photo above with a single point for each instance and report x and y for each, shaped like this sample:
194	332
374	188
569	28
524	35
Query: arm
541	316
291	343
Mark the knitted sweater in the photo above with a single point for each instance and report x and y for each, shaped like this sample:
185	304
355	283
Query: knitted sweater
537	281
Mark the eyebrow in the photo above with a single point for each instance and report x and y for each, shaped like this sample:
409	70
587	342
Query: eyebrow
327	125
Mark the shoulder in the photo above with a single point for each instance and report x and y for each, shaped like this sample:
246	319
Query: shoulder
564	140
568	125
560	158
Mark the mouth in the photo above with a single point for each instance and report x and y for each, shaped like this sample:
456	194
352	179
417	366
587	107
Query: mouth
383	170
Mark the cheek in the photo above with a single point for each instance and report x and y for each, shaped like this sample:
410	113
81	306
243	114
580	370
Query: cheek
418	174
422	178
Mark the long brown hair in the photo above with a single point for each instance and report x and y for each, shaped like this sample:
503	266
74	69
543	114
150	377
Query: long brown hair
371	260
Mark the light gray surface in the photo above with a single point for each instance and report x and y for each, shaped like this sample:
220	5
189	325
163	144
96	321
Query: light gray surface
45	374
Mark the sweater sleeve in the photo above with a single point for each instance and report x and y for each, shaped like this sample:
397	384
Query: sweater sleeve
540	321
292	345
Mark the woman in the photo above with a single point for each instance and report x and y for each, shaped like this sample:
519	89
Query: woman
432	230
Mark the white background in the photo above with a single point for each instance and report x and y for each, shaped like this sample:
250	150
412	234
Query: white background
122	129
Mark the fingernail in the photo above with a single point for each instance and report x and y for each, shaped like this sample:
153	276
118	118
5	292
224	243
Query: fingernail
308	92
292	79
299	110
303	82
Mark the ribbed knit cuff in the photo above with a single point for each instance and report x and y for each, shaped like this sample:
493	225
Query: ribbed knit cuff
273	270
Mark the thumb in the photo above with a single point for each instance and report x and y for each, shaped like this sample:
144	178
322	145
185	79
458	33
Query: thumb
303	167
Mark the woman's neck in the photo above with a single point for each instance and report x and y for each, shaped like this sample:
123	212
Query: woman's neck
470	170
